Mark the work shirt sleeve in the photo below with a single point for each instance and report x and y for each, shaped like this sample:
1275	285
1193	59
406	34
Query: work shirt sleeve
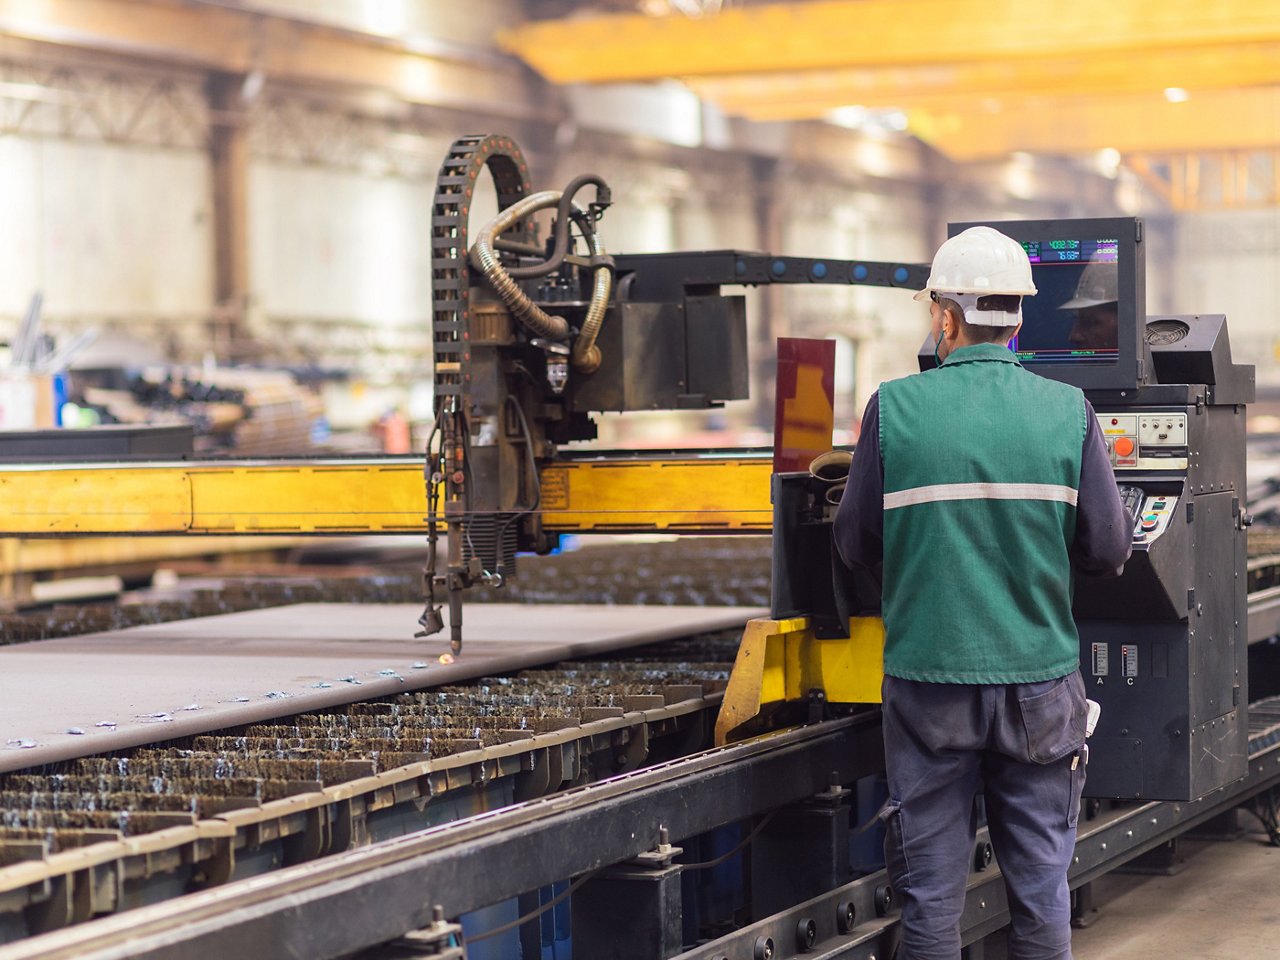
859	523
1104	529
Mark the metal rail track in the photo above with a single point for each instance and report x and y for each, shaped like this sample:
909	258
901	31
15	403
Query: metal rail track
344	903
540	841
305	797
851	922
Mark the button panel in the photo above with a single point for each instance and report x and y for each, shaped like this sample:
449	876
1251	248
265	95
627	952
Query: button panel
1162	430
1154	517
1148	441
1120	433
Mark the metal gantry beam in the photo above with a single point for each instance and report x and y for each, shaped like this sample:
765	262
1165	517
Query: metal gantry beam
40	98
220	37
710	494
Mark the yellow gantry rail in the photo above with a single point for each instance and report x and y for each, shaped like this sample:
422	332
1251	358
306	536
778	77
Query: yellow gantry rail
689	494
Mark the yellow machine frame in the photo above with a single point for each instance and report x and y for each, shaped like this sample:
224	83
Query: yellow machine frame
695	494
781	661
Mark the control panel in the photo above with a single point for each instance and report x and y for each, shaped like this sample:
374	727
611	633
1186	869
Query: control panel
1153	518
1145	441
1161	646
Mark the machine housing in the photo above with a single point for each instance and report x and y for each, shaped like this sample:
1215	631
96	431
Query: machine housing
1164	646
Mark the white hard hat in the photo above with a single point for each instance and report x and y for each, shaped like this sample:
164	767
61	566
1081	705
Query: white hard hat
981	262
1099	283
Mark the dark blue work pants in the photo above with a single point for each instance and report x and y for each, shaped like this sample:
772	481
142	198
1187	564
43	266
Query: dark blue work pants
1022	745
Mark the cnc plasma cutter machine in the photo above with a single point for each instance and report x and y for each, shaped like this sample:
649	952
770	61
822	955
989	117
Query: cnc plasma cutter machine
1163	648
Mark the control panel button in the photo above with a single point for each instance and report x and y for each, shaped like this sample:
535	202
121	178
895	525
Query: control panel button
1150	522
1124	446
1169	430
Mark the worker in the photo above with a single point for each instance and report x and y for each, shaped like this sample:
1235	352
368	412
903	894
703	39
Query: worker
976	488
1096	322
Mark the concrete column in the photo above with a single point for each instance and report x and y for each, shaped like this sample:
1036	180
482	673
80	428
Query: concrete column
229	151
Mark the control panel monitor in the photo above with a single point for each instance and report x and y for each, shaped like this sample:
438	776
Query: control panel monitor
1085	325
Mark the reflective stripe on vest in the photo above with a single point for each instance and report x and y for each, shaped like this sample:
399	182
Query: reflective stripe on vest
980	491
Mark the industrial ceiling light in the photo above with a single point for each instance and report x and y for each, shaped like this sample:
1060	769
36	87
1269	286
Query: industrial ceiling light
879	121
1176	95
690	8
1107	161
851	117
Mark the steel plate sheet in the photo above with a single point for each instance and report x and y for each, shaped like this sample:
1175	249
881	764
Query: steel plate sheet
82	695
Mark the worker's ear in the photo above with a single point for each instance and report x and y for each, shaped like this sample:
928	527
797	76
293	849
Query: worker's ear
950	324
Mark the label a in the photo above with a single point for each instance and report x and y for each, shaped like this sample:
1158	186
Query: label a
1101	659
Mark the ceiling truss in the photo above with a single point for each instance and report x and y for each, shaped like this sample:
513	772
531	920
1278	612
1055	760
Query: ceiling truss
1222	180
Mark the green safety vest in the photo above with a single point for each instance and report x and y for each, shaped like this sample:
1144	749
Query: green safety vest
981	476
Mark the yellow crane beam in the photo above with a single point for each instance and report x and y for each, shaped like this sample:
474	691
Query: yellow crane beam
1146	123
833	34
814	93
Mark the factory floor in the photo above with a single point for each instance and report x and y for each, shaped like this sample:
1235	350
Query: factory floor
1219	905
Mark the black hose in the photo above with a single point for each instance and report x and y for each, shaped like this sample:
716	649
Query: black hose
565	212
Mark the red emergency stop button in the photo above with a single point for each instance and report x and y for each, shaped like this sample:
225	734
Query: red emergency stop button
1124	447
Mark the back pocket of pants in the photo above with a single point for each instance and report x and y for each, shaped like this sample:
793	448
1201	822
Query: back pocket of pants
1054	722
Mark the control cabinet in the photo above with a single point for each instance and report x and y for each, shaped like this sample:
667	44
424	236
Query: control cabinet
1164	646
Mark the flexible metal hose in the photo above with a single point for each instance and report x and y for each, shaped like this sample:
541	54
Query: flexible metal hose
586	355
485	259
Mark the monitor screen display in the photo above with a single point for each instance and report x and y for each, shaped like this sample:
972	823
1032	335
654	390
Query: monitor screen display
1075	317
1085	324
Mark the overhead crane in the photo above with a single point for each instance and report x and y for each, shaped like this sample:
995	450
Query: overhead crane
975	82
